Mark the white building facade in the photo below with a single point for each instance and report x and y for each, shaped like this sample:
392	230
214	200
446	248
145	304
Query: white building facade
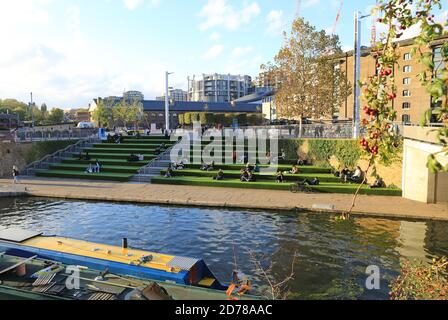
218	87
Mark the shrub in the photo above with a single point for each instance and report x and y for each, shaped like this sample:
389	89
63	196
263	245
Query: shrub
321	150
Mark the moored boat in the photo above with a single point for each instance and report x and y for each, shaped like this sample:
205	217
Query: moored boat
116	260
40	279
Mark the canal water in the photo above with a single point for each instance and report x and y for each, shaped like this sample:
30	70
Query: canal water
332	256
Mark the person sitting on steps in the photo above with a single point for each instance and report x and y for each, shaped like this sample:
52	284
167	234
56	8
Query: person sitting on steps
160	149
314	182
89	168
133	158
358	176
169	172
379	183
244	175
295	170
280	177
219	176
98	166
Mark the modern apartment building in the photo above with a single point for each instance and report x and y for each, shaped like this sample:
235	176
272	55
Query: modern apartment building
133	95
175	95
218	87
412	98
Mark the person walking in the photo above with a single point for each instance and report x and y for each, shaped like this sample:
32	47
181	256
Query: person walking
15	174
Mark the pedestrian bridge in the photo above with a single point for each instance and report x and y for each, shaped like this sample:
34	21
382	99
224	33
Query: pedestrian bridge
419	183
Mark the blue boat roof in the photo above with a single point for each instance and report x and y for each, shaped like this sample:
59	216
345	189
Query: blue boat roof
189	106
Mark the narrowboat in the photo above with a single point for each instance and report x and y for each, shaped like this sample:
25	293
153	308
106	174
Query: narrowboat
122	260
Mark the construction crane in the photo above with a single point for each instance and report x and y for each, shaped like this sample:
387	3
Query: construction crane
338	17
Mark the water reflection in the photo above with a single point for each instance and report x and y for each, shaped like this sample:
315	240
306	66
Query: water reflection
332	257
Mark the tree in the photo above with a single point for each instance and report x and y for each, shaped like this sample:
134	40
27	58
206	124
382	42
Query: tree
311	84
103	112
127	112
56	116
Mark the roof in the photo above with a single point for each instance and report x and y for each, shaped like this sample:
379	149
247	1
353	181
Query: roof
189	106
254	97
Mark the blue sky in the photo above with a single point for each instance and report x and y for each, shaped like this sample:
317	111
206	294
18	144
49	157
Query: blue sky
68	52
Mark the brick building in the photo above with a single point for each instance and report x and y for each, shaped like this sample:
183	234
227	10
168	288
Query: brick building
412	99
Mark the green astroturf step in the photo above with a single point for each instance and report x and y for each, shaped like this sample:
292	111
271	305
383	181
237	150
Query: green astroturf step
122	156
129	145
122	177
283	167
232	174
105	168
116	150
235	183
105	161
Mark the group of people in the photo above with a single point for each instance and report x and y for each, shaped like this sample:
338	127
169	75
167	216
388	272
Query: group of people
116	138
348	176
207	166
358	176
94	168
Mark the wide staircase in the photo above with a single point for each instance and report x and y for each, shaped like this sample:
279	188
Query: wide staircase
114	158
329	183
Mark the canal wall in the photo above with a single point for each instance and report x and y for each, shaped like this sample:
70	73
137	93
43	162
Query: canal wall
22	154
224	198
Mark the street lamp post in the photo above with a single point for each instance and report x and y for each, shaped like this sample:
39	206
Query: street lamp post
167	102
32	115
357	74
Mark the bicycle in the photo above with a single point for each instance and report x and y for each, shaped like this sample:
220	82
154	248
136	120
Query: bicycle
300	188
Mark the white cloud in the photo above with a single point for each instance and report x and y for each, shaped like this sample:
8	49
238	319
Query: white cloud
241	51
50	56
134	4
218	13
215	36
274	21
214	52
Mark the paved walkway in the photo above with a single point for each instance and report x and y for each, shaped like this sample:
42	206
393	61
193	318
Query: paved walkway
380	206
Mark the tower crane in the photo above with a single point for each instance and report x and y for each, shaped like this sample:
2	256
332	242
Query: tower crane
338	17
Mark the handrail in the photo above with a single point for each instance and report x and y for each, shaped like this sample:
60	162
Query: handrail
147	168
53	158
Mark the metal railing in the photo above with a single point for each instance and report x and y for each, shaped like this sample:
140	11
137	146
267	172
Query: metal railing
53	135
154	163
56	157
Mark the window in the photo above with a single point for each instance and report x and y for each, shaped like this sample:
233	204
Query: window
406	118
406	93
406	105
407	69
407	57
439	64
407	81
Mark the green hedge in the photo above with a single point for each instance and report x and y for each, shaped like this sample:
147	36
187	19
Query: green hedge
42	149
227	119
347	152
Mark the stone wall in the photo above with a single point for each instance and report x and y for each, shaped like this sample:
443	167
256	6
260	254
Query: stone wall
22	154
13	154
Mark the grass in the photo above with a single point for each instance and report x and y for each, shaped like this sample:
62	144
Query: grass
105	168
283	167
122	177
235	174
235	183
122	156
104	161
